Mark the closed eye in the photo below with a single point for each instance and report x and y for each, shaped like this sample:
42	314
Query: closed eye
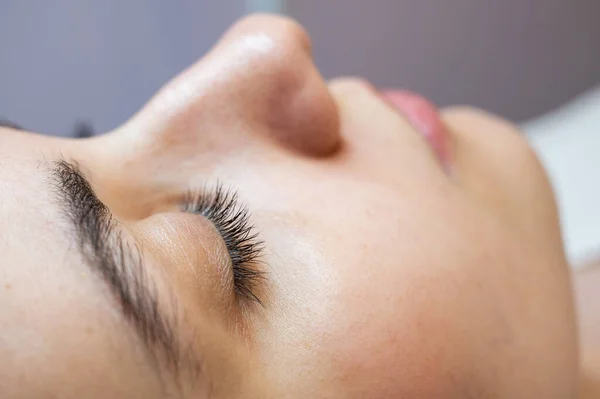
232	220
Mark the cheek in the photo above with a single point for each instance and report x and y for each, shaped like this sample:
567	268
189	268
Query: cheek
395	317
362	326
343	309
395	344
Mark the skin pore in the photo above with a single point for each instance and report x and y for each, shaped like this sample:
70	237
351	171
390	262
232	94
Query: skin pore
381	270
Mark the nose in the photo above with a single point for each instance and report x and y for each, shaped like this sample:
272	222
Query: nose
259	81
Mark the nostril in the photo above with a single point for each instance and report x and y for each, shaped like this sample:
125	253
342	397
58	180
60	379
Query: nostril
307	120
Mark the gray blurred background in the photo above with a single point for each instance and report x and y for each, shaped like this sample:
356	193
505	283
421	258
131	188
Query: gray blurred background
99	61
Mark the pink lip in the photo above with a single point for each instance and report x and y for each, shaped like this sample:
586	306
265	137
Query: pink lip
425	118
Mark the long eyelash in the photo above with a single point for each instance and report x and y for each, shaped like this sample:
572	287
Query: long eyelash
232	220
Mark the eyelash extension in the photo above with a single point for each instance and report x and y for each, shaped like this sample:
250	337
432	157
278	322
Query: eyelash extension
232	221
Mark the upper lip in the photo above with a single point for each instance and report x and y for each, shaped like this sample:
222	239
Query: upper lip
425	118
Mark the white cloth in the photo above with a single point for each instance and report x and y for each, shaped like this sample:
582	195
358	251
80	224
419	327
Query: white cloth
568	143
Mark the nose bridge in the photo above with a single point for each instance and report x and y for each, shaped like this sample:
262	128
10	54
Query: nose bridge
257	88
258	79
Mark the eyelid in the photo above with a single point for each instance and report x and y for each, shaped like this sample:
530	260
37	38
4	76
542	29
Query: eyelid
232	220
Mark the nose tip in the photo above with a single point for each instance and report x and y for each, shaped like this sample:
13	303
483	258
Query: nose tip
288	93
286	33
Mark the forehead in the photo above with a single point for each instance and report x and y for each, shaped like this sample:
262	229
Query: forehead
29	210
59	331
28	213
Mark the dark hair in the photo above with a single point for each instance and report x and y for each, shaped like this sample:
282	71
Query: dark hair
80	131
7	123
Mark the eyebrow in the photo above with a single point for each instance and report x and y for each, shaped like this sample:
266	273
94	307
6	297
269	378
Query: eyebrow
118	263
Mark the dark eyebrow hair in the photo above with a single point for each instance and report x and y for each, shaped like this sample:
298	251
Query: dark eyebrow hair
119	264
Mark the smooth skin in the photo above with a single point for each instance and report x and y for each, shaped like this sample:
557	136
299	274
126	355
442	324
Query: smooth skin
386	275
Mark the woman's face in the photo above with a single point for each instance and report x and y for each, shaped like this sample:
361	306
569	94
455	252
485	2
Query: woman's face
399	253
